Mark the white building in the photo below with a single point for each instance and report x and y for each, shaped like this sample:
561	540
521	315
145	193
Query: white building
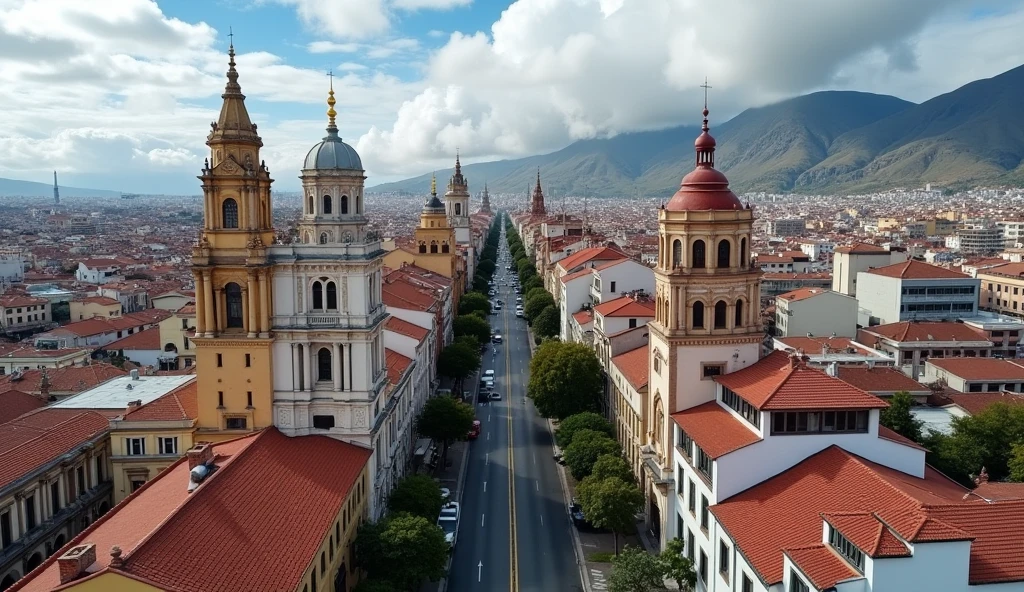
813	311
99	271
12	265
616	278
853	259
913	290
817	248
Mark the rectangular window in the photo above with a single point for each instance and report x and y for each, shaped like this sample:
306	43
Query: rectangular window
220	360
135	446
723	560
691	545
709	371
796	584
248	399
6	529
80	473
692	501
136	484
168	445
747	585
220	398
235	423
248	360
742	407
704	464
55	497
685	444
704	514
324	422
612	290
846	548
680	526
703	571
804	422
30	512
632	323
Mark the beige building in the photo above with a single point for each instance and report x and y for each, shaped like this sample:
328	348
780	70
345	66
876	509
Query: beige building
1002	289
815	312
23	313
18	356
850	260
95	306
628	374
177	350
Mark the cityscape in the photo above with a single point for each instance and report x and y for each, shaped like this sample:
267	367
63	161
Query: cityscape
714	336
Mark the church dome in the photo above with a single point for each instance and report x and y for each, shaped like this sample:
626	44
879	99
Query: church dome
705	188
331	153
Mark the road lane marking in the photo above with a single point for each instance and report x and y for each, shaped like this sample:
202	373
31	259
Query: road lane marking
487	458
537	483
513	551
485	487
479	571
482	520
542	519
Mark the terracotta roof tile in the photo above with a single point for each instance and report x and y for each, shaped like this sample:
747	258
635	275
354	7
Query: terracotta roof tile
1000	491
905	331
406	328
635	366
912	269
717	431
22	350
822	565
145	340
1012	270
396	364
66	380
975	403
868	533
995	552
879	379
980	368
590	254
102	300
178	405
565	279
803	294
894	436
861	249
583	317
15	403
815	345
43	436
625	306
20	300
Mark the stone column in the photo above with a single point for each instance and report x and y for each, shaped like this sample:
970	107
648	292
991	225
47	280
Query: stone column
296	369
245	309
307	367
336	366
264	279
200	310
221	310
208	303
254	306
243	208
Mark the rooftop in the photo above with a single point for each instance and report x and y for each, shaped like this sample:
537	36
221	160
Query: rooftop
625	306
635	366
879	379
40	437
714	429
980	368
906	331
180	404
116	394
911	269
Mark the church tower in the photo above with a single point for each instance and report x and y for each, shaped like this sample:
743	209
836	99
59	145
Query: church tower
328	316
537	202
456	203
485	203
435	238
232	274
707	304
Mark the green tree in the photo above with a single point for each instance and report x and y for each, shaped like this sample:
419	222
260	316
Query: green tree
474	301
528	294
522	265
403	549
609	466
527	273
474	326
533	306
635	570
485	266
370	549
676	566
376	586
418	495
547	323
982	440
588	420
899	418
445	419
586	447
1016	463
565	378
534	282
458	361
611	504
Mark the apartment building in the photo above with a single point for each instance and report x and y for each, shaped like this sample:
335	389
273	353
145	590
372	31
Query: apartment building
22	313
813	311
850	260
913	290
1002	289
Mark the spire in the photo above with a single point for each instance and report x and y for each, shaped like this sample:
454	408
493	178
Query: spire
56	192
232	86
458	165
705	144
433	205
485	204
331	113
433	185
537	205
233	123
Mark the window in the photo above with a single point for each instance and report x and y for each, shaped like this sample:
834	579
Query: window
804	422
310	205
312	583
724	253
704	517
55	497
423	247
632	323
747	585
698	315
742	407
235	423
444	247
323	422
685	443
344	204
720	314
433	246
612	287
327	204
248	399
6	529
332	548
691	545
703	570
739	314
220	360
323	364
230	213
723	560
709	371
136	484
796	584
233	294
677	253
80	474
318	296
743	253
135	446
323	563
332	296
704	463
248	360
692	498
846	548
220	399
698	254
168	445
30	512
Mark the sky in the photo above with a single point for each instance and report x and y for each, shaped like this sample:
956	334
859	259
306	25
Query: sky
119	94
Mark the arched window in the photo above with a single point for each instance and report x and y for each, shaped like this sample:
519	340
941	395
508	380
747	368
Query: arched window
433	246
327	204
332	296
171	348
698	315
323	238
659	424
744	261
359	204
230	212
458	209
233	295
677	253
724	249
423	247
444	247
720	314
310	210
344	204
698	254
318	296
739	314
323	364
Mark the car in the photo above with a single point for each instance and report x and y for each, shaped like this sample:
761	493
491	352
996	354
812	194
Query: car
474	433
494	396
519	313
446	494
576	513
449	522
489	373
496	308
496	339
519	299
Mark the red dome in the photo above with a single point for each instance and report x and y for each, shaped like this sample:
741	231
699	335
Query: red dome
704	142
704	189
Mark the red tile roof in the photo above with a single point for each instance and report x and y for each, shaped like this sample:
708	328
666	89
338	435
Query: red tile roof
905	331
995	552
20	300
803	294
102	300
774	383
23	350
15	403
406	328
980	368
880	379
241	529
717	431
181	404
625	306
861	249
590	254
1012	270
814	345
975	403
635	366
565	279
398	292
1000	491
145	340
822	565
583	317
776	275
868	533
790	506
912	269
66	380
43	436
894	436
396	364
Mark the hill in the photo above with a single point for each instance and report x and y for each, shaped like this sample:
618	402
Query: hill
16	188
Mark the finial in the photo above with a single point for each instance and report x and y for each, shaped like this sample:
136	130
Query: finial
433	185
115	557
331	113
705	86
232	87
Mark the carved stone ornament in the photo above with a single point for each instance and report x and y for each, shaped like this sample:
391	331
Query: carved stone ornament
284	417
229	167
344	294
347	237
360	418
255	243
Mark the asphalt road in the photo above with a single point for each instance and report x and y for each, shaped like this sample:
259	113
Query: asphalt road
517	538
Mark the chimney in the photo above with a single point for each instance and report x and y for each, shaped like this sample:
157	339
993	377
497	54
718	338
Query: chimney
134	373
794	359
74	563
982	477
200	454
833	369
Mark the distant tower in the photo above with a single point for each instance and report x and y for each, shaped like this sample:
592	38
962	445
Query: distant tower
56	192
456	201
485	204
537	204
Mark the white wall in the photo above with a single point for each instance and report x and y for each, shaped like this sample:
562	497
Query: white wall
821	315
878	296
575	294
934	566
627	276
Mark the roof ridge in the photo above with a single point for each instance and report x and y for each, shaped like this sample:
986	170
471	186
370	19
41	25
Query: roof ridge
41	433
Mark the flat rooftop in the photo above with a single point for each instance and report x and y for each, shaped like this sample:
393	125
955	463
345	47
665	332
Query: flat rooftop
116	394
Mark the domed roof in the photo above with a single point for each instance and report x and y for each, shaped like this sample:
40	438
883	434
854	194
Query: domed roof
331	153
705	188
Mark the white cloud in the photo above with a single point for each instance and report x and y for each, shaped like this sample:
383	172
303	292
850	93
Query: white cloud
332	47
431	4
552	71
436	33
351	67
343	19
170	157
391	48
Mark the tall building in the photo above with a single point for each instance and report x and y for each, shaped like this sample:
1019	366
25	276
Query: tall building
56	192
456	203
537	201
707	320
485	203
233	275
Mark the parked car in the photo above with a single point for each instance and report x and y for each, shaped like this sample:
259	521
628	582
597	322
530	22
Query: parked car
576	513
449	522
474	433
494	396
489	373
519	312
496	339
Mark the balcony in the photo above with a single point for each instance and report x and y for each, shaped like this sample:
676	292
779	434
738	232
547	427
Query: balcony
329	320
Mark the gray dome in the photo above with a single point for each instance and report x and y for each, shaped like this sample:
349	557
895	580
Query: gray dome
332	153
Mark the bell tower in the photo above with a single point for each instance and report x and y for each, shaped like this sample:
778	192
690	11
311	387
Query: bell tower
456	203
233	275
435	238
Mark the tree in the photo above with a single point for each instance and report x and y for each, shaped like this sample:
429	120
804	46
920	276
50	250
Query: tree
474	301
898	417
473	326
403	549
457	361
609	466
529	294
548	322
375	586
522	265
1016	463
533	306
982	440
588	420
527	273
445	419
534	282
565	378
676	566
611	504
635	570
418	495
485	266
586	447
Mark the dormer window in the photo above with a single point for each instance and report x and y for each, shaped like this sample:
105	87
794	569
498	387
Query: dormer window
814	422
845	548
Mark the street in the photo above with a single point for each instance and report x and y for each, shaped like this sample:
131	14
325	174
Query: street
517	537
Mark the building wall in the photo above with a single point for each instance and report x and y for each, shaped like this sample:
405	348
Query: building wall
24	317
111	582
947	568
626	277
821	316
10	364
130	470
574	295
1002	294
234	379
86	310
846	266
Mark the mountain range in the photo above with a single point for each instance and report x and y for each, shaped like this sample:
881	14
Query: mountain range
16	188
824	142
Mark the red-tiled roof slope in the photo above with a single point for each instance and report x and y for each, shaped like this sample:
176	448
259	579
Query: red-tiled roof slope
861	249
43	436
69	379
590	254
879	379
181	404
635	366
912	269
406	328
775	383
565	279
868	533
995	552
1000	491
975	403
815	345
396	364
980	368
822	565
927	331
146	340
583	317
714	429
790	505
802	294
15	403
894	436
625	306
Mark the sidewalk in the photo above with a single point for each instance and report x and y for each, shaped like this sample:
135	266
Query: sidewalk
452	476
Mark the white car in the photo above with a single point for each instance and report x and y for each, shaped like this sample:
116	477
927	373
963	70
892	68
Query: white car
489	373
449	522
